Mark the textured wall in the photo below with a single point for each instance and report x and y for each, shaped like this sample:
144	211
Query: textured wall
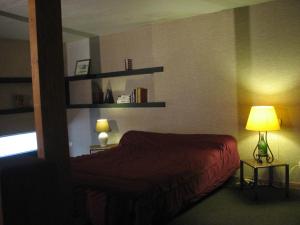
199	81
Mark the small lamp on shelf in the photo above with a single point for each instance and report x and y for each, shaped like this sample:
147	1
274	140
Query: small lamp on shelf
263	119
102	127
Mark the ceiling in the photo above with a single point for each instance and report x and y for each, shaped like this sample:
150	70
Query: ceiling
84	18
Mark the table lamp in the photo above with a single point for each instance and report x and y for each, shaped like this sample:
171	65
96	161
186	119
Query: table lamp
263	119
102	127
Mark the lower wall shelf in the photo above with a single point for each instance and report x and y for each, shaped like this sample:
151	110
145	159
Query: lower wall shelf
81	106
16	110
114	105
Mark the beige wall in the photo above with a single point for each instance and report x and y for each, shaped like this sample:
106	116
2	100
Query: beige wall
216	67
14	58
14	62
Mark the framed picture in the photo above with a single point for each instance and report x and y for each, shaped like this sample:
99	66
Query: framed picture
82	67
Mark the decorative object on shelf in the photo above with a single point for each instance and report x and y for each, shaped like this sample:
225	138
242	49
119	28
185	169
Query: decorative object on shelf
139	95
123	99
21	101
109	96
128	64
263	119
102	127
97	93
82	67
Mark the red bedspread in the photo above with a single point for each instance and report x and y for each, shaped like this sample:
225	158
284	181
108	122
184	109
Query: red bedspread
153	175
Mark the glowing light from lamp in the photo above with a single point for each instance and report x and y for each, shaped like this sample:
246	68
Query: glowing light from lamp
262	118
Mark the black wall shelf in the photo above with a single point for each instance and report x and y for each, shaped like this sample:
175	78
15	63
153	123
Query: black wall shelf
142	71
16	110
15	80
81	106
132	72
117	73
114	105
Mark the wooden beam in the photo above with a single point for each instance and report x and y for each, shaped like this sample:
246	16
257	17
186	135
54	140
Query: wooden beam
48	80
48	84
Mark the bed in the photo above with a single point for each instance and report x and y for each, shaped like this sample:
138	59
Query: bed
150	177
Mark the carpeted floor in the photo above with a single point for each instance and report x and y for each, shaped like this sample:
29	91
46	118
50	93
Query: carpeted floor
231	206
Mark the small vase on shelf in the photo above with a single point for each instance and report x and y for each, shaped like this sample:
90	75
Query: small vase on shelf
109	97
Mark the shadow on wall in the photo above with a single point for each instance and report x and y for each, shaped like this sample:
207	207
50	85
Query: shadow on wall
94	115
114	135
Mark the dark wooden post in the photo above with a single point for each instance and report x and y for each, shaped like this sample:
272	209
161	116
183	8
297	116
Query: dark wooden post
46	47
48	80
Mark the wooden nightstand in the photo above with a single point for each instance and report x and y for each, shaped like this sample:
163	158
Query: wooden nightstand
98	148
255	165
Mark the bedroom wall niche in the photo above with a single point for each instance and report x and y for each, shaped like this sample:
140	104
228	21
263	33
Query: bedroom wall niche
81	122
95	68
15	63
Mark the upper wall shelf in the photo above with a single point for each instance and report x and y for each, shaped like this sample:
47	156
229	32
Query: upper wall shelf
15	79
142	71
117	73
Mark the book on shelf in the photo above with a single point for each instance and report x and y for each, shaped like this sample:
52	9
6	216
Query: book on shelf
139	95
132	96
143	95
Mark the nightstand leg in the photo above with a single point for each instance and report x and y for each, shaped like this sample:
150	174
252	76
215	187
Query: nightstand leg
255	183
270	176
287	181
241	175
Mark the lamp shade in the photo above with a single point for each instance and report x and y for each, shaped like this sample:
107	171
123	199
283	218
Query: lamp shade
262	118
102	125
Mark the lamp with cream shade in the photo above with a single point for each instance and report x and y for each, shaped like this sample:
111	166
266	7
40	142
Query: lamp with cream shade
263	119
102	127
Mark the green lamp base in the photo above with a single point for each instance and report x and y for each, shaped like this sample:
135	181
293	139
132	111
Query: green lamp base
262	149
